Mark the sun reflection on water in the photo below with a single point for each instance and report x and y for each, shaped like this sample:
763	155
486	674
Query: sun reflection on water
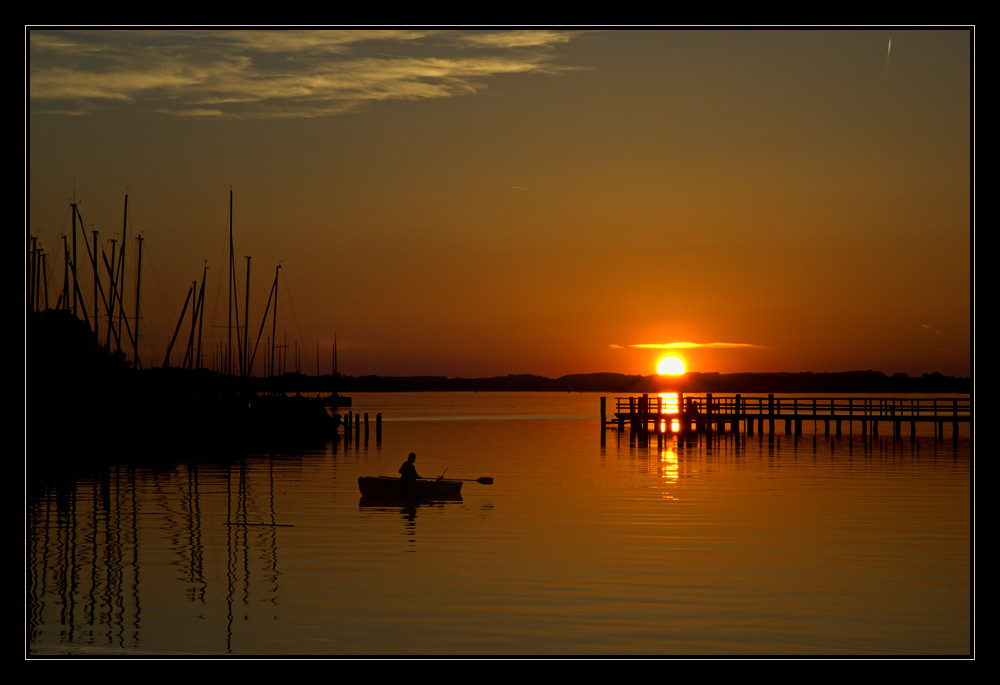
669	469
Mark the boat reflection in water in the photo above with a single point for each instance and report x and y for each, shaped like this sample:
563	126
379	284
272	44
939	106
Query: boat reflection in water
381	492
387	489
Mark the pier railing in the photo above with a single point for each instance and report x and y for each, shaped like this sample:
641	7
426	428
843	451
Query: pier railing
675	412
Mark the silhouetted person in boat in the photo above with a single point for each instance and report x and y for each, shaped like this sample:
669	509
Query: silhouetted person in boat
408	471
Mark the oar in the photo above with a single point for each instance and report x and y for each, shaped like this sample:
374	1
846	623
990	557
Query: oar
485	480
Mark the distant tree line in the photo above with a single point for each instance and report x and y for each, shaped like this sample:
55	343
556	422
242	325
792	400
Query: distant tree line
807	382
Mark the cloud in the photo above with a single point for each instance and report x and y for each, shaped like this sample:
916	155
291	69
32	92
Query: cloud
688	345
237	74
518	39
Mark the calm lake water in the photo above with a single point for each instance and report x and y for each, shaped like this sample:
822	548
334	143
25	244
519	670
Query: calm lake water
810	545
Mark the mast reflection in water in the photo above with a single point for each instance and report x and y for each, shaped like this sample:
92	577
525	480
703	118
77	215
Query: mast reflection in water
729	545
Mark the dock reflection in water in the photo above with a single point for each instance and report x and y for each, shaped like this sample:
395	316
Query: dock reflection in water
711	545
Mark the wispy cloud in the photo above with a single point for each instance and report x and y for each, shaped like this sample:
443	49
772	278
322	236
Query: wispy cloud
685	345
234	74
518	39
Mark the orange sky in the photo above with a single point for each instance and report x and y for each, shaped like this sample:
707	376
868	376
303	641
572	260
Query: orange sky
477	203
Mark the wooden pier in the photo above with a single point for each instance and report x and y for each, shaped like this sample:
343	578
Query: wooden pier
675	413
353	422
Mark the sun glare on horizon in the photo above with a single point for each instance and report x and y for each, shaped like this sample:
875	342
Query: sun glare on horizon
670	366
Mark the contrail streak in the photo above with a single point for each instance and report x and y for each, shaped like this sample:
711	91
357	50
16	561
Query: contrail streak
886	73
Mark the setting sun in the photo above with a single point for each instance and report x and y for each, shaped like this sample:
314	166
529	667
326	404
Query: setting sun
670	366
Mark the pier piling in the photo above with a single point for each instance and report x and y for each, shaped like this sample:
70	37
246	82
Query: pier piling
712	413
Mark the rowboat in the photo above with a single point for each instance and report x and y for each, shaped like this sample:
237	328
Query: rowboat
422	489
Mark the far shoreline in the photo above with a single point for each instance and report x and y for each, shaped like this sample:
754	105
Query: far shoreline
693	382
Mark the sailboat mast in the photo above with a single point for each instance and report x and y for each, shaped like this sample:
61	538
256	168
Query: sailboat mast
201	313
138	283
113	286
246	324
189	349
274	316
97	281
45	281
229	327
170	347
73	208
120	280
65	295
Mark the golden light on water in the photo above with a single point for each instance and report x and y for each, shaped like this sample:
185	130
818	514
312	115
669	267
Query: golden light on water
669	468
670	366
675	426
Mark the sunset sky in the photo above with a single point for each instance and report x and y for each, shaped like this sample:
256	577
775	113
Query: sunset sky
484	202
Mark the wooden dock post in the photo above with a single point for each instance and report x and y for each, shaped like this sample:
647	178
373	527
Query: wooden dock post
770	413
604	420
378	427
